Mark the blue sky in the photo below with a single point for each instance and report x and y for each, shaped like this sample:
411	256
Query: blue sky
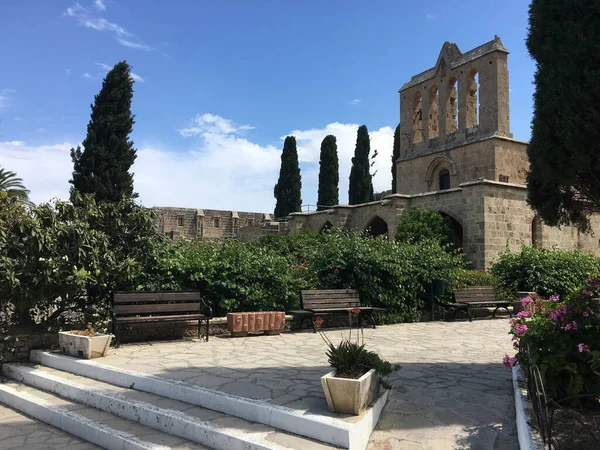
219	84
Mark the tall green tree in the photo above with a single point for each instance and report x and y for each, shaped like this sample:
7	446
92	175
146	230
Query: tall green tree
13	186
102	167
361	186
288	188
564	152
395	156
329	174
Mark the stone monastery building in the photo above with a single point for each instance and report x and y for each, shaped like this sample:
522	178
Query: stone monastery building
459	157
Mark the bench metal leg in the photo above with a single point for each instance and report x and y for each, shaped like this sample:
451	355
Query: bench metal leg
117	335
370	318
466	310
200	330
311	319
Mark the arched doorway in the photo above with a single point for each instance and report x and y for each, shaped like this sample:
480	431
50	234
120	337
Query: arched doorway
456	229
326	226
377	226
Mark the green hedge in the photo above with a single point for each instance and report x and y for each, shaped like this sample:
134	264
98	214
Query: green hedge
269	274
546	271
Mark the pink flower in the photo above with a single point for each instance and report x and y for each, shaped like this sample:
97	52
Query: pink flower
293	267
336	270
526	301
509	361
583	348
589	293
301	266
588	312
520	329
524	314
557	314
554	298
570	326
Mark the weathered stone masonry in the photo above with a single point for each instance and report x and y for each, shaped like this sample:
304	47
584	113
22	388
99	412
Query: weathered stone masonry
459	157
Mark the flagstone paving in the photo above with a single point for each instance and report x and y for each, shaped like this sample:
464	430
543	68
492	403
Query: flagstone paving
452	392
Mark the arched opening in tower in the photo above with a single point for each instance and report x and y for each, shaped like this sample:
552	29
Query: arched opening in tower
472	99
326	226
418	118
377	226
434	120
456	229
452	106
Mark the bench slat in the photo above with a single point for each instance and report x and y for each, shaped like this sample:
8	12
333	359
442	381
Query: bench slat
329	291
156	308
161	318
156	297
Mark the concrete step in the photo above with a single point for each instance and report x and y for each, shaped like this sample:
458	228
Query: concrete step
211	428
90	424
343	431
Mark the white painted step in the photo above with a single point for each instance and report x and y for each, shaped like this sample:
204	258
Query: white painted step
193	423
353	433
95	426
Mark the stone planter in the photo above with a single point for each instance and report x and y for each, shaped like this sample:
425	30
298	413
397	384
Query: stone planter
346	395
240	324
520	295
86	347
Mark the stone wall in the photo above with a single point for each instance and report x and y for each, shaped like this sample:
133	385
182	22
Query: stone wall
192	223
21	340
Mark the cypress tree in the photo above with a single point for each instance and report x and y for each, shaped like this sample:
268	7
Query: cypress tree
395	156
564	152
329	174
102	167
288	188
361	186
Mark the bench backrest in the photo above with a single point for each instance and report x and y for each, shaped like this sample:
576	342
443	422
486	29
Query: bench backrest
155	303
474	294
329	298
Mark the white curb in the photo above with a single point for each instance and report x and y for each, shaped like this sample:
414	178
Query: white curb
526	440
352	435
72	423
172	422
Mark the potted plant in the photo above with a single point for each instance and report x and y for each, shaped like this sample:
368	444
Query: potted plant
358	373
84	343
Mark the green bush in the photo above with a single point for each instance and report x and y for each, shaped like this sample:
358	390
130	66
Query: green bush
269	274
546	271
562	338
419	224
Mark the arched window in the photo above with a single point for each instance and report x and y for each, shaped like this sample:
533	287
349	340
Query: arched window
377	226
444	179
472	99
418	118
434	121
452	106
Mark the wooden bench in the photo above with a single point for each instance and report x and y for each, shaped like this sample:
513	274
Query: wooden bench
476	297
333	301
158	306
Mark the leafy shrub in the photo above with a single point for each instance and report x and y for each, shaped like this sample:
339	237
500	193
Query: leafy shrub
70	257
419	224
548	272
466	278
562	338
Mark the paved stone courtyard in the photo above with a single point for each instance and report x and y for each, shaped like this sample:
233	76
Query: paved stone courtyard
452	392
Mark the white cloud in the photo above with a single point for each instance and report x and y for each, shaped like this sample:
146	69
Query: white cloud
3	101
135	76
354	102
88	18
135	45
18	119
5	97
41	130
8	91
86	75
222	169
207	124
68	72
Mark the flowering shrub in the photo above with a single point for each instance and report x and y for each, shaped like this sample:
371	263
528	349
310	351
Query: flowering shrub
562	337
